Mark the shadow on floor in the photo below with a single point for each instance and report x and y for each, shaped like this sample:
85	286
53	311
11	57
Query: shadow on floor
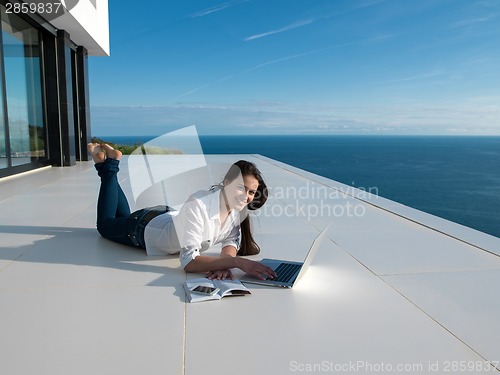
86	248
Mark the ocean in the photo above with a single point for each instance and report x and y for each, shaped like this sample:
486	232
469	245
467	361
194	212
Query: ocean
454	177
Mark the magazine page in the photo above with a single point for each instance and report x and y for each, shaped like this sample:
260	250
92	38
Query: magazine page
227	288
195	297
231	288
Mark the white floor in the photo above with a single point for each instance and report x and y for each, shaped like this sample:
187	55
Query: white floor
392	290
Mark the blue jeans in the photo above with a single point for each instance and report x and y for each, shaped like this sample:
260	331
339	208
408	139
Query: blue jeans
113	212
114	220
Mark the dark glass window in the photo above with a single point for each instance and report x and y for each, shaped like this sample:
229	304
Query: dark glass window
25	131
3	151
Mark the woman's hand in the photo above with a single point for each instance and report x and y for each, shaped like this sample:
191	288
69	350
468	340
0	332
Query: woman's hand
220	275
256	269
220	266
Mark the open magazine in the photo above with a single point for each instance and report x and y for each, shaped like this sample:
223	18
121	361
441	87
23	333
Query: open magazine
224	288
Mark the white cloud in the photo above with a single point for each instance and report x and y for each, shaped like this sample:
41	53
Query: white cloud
378	38
473	21
289	27
416	77
417	118
214	9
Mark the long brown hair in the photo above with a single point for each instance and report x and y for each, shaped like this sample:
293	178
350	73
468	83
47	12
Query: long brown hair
248	246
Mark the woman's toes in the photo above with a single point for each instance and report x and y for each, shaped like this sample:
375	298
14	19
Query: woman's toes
111	152
96	152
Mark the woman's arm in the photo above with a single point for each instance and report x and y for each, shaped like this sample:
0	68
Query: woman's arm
227	251
205	263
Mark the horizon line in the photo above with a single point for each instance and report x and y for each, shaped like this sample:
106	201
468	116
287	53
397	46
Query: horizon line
319	135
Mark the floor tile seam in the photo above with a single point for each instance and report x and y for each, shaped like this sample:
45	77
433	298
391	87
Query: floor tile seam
8	263
78	213
388	209
184	335
23	253
389	274
406	298
20	194
442	325
5	199
434	229
61	177
19	176
32	190
443	272
46	177
76	287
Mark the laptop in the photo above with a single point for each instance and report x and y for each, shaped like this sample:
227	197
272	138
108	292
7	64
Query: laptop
288	272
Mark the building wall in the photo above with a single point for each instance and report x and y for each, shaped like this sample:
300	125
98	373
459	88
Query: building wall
88	25
44	95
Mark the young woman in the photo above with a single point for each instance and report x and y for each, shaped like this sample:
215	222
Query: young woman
207	218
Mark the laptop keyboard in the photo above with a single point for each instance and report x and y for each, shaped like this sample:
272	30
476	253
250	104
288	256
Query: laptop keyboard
285	271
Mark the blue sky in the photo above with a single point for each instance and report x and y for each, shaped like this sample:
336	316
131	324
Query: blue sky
299	67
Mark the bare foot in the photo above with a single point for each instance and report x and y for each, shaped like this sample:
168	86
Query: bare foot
96	152
111	152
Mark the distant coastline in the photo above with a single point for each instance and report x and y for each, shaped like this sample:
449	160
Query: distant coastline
454	177
131	140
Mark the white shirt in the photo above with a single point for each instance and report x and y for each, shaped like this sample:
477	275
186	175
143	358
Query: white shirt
193	229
